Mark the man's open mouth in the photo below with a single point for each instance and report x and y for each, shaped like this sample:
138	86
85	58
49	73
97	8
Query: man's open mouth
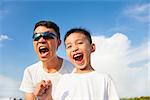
43	50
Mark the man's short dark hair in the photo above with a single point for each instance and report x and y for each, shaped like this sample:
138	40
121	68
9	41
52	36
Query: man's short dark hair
48	24
79	30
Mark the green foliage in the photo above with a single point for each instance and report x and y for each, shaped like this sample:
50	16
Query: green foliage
137	98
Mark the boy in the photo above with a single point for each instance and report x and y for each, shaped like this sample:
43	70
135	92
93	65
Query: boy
84	83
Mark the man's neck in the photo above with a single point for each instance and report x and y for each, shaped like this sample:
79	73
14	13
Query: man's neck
53	65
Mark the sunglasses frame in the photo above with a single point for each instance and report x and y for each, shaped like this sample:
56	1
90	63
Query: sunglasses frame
45	35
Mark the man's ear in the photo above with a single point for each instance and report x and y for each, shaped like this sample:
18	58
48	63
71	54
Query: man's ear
59	42
93	47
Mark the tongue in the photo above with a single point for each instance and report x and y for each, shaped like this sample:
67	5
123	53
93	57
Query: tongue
79	60
43	52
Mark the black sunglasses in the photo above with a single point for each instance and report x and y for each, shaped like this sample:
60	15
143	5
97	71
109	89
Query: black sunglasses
45	35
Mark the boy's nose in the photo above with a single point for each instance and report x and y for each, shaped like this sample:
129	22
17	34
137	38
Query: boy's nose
75	48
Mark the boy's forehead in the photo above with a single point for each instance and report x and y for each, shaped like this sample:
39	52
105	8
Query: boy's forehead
75	37
77	34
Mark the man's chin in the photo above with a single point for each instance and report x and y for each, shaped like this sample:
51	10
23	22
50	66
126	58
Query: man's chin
43	59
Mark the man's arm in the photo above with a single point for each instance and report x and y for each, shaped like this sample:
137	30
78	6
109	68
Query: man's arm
38	91
46	94
42	91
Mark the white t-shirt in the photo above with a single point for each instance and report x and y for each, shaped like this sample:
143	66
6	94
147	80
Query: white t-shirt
35	73
88	86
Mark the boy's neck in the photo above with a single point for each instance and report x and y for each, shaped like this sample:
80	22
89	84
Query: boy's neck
85	70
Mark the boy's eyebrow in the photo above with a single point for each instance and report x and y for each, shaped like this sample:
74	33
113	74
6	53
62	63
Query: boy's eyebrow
67	43
74	41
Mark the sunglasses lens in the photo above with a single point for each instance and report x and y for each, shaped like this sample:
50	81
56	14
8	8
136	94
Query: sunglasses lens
48	35
45	35
36	37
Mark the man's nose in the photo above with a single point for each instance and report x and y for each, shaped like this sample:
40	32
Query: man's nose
42	40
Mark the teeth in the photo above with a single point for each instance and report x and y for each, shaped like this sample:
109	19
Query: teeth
76	55
43	49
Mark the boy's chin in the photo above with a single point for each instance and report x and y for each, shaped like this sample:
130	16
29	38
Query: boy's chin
81	67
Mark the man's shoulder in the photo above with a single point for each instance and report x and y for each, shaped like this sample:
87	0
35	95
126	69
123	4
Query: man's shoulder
34	66
66	62
67	66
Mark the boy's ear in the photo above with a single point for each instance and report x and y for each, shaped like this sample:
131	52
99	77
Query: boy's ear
93	47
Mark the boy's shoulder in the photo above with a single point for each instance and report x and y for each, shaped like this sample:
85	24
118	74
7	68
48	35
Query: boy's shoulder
104	76
93	76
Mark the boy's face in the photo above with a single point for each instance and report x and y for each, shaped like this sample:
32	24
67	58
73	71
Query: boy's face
79	50
45	48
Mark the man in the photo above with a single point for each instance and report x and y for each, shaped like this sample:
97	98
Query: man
39	77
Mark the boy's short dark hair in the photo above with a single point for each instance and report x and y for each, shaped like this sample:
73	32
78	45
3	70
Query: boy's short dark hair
79	30
48	24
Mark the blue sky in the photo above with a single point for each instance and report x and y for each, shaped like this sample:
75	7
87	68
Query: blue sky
101	18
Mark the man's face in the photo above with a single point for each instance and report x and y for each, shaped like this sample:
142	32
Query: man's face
45	48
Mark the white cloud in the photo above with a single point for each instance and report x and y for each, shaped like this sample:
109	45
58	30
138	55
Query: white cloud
9	87
4	37
139	12
139	54
114	55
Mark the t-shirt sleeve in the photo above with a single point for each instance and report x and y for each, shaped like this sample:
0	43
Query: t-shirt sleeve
112	93
27	84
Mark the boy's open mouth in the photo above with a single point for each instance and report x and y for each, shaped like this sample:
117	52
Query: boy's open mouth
78	57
